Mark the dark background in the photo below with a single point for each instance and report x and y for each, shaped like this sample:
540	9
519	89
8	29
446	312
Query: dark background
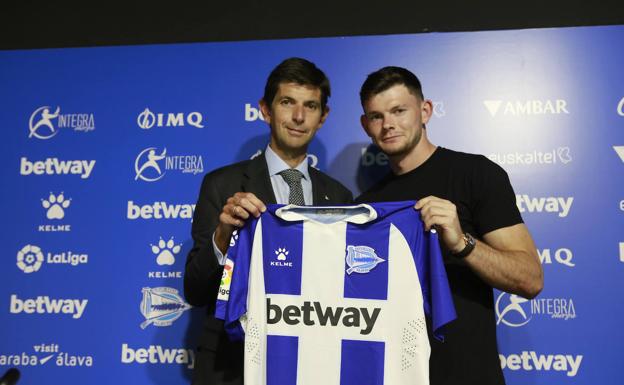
33	24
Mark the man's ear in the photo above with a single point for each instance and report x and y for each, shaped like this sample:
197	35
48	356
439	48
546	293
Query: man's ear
325	114
426	110
364	123
265	110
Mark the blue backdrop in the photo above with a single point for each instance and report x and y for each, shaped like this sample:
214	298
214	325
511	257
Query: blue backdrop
104	149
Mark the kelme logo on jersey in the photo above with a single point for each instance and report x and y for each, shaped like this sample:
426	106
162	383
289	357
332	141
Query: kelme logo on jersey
31	257
313	313
361	259
152	164
55	166
46	305
44	353
531	361
515	311
556	205
161	306
526	107
281	254
41	124
156	354
147	119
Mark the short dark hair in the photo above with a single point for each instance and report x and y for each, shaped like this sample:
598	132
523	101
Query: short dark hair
300	71
387	77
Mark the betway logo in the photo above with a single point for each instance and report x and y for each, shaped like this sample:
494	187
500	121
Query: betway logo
558	205
43	304
349	317
52	166
527	107
252	113
160	210
156	354
532	361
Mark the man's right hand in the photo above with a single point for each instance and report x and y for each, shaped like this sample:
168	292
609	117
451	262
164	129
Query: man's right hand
236	211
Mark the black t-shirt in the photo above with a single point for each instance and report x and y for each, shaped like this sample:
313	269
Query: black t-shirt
485	202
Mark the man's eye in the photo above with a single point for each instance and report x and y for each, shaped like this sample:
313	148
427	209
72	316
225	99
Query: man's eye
313	106
286	102
399	111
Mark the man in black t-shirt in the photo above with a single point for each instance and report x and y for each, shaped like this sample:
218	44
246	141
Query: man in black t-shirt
471	203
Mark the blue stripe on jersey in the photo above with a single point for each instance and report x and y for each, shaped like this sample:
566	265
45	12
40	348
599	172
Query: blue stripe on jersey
282	249
362	280
362	363
281	366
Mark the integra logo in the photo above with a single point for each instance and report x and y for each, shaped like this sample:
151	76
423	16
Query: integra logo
41	126
349	317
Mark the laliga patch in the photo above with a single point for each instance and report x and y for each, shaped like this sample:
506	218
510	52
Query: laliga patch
361	259
226	280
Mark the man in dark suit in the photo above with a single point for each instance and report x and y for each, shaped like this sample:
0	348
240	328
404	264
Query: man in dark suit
295	107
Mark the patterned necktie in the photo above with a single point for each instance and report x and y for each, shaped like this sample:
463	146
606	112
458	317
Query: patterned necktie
293	179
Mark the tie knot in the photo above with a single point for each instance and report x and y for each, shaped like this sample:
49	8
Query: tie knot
291	176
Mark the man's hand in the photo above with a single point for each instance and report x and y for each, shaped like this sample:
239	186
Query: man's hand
236	211
442	215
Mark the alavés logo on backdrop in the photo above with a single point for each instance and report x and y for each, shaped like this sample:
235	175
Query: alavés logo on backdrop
45	123
165	253
559	155
30	258
551	205
562	256
43	304
157	354
44	353
498	107
160	210
56	166
151	164
55	207
161	306
148	119
515	311
532	361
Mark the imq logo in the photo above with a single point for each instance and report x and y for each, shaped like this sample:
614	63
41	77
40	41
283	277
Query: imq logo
152	164
45	124
526	107
148	119
560	256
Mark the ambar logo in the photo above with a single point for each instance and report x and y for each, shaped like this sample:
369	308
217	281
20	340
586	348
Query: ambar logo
526	107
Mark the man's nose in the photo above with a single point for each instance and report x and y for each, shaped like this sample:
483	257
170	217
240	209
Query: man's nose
298	115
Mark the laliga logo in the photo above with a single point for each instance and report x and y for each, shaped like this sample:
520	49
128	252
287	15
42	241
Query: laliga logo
29	259
141	164
514	306
44	121
147	119
620	107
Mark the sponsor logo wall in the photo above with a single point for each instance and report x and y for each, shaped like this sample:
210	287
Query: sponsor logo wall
102	176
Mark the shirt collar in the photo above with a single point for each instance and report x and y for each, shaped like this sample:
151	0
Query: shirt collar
277	164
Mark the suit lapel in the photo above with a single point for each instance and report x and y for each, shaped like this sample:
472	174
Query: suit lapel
320	195
258	181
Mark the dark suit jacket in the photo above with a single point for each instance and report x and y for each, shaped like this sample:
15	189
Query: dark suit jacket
219	361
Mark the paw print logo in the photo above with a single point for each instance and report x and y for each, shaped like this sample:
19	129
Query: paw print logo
29	259
56	205
234	238
281	254
166	251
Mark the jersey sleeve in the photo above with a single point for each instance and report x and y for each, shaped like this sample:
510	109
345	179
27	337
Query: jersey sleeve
439	301
232	297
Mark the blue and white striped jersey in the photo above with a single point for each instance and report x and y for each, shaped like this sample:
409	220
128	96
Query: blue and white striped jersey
335	295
